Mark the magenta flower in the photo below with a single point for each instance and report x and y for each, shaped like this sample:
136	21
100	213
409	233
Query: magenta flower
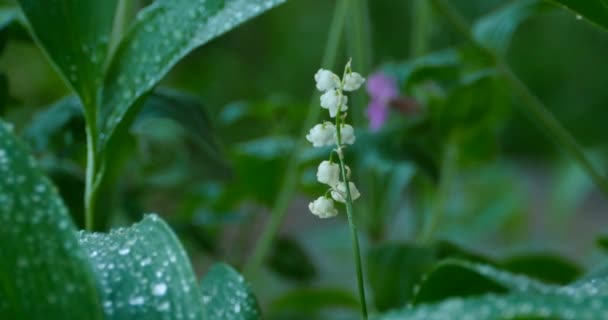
382	89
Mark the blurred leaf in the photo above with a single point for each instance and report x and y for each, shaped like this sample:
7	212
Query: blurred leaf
595	11
143	57
288	259
394	270
545	267
308	300
602	242
226	295
75	35
4	95
45	274
454	278
144	272
496	29
12	25
447	249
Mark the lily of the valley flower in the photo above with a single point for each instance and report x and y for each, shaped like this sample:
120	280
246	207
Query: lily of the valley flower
328	173
326	80
323	207
322	135
339	192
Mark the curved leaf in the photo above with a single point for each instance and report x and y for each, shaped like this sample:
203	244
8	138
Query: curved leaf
496	29
164	33
75	35
545	267
227	296
306	300
44	274
595	11
144	272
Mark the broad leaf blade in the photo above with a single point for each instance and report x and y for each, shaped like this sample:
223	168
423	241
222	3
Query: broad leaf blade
163	34
227	296
496	29
44	274
144	272
75	35
595	11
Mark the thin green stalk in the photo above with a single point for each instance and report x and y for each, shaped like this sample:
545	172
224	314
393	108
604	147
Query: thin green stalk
532	105
90	193
421	28
448	170
289	182
360	50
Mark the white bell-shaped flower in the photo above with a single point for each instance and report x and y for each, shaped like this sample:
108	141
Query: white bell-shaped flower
332	100
353	81
347	133
323	208
322	135
328	173
326	80
339	192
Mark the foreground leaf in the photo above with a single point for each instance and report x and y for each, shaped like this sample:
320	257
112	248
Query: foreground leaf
44	274
595	11
75	35
164	33
144	272
227	296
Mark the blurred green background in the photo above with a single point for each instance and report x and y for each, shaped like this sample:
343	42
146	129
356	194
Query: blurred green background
512	189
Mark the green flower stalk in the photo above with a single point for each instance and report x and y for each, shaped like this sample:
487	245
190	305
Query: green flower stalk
337	175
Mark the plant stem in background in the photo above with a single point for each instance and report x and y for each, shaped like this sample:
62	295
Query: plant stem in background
359	44
531	105
90	185
421	28
448	170
290	179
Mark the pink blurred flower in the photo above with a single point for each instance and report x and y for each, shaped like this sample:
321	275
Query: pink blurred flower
382	89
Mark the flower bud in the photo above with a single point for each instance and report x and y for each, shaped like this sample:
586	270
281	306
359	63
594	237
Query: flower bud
339	192
326	80
323	208
353	81
322	135
328	173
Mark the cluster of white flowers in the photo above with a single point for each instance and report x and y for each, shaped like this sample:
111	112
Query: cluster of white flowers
336	134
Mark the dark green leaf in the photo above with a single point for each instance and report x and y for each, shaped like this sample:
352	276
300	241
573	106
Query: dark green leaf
595	11
496	29
75	35
164	33
4	95
545	267
394	271
602	242
144	272
44	274
227	296
52	121
289	260
306	300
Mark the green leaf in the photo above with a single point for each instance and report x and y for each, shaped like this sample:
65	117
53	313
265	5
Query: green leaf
12	25
307	300
394	270
595	11
144	272
496	29
288	259
44	274
545	267
227	296
515	306
164	33
454	278
75	35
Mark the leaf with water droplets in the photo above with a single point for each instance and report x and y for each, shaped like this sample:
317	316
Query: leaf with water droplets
163	33
227	296
75	35
45	274
595	11
144	272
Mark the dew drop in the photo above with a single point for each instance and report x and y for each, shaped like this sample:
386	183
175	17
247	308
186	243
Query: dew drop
159	289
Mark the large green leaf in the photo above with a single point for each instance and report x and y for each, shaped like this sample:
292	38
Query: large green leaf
164	33
44	274
546	267
595	11
75	35
227	296
144	272
496	29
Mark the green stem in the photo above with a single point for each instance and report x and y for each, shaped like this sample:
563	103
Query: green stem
291	174
448	170
360	50
90	185
421	28
532	105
